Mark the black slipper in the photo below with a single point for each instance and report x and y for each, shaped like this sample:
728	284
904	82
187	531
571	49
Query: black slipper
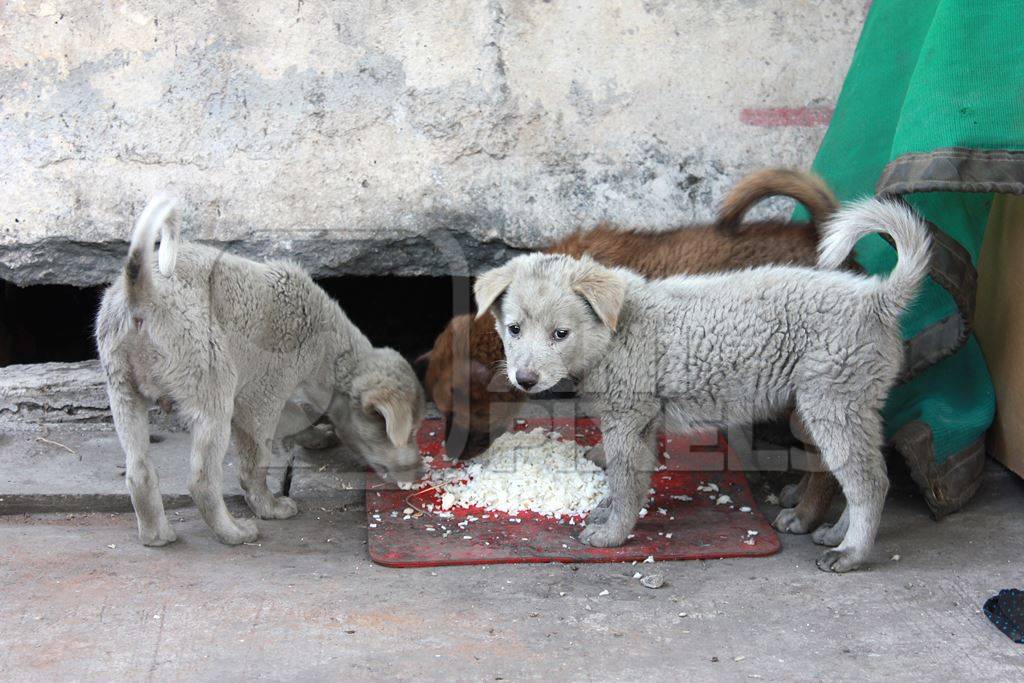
1006	611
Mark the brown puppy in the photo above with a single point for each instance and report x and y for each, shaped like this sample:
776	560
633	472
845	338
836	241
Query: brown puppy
478	401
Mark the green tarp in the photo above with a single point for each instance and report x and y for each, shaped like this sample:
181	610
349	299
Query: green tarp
932	109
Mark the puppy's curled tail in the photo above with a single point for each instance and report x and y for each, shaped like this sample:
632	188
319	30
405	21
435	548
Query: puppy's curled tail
160	214
806	188
908	232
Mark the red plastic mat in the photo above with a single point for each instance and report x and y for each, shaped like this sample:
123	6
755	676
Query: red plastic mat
682	522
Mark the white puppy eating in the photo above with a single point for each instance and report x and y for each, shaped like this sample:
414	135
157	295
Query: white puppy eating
716	350
229	341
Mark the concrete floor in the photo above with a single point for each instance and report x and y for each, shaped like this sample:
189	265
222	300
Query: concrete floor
83	599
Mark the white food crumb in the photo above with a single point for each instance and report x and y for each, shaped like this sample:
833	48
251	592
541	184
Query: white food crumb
895	558
723	500
643	513
602	593
653	581
649	560
637	575
744	509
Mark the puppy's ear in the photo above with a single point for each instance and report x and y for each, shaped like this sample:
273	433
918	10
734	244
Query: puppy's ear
489	286
396	411
604	290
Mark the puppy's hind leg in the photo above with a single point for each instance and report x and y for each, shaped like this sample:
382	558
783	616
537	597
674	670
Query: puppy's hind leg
791	494
132	422
812	507
209	443
850	448
253	439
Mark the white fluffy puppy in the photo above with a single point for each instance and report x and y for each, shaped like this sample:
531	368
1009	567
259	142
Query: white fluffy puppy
229	341
713	350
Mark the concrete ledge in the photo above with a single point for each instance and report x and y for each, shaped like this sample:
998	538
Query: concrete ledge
43	395
75	470
54	393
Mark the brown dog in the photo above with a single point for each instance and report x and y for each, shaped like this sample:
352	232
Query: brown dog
478	402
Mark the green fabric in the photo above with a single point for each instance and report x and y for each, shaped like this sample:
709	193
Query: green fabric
929	74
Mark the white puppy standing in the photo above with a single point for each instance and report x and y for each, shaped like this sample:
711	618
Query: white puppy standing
230	341
717	350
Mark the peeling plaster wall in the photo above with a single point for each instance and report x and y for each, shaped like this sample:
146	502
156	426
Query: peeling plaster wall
399	137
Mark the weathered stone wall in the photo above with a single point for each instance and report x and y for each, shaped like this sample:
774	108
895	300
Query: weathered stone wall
405	137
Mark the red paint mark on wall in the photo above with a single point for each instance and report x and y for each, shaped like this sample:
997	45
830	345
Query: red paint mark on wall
774	117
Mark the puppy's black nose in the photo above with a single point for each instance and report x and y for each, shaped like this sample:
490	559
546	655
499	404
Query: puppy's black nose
526	378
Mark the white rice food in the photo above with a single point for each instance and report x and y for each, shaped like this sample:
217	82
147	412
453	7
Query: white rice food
526	471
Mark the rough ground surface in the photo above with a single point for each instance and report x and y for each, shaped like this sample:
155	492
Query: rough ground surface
412	137
84	600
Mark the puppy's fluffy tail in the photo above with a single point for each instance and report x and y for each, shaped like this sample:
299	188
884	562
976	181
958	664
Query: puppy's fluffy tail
806	188
908	232
160	215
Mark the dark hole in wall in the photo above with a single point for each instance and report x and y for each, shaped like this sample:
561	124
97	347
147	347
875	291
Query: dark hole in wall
48	323
405	313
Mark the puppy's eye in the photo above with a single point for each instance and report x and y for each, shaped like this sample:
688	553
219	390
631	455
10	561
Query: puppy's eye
514	330
560	334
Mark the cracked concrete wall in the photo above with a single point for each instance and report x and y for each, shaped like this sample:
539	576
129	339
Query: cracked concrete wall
394	137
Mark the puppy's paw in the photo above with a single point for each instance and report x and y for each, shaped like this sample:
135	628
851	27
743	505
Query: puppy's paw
789	496
282	508
838	561
246	531
164	535
604	535
599	515
828	534
789	522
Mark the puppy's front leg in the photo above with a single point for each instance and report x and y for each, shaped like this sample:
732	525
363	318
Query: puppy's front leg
631	456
